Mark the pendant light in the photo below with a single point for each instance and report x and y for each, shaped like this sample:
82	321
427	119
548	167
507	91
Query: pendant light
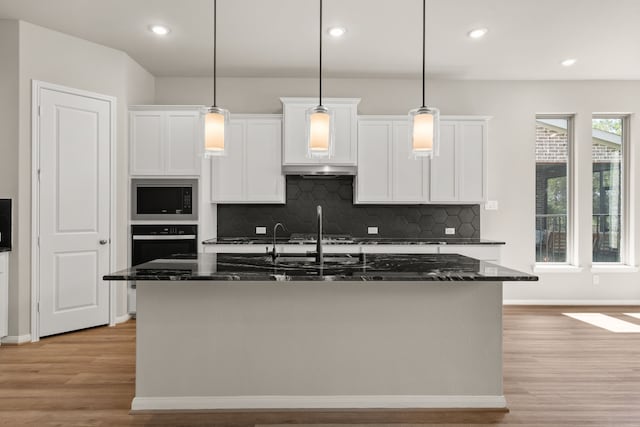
319	125
216	127
424	122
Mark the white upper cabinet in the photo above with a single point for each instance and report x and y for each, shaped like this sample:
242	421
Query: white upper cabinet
459	173
251	171
386	171
165	140
345	111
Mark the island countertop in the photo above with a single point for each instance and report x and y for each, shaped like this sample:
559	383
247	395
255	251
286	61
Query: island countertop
239	240
374	267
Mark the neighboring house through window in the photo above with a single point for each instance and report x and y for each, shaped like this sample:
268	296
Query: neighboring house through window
554	140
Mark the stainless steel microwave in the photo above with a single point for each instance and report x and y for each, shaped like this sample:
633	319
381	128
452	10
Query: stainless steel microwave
164	199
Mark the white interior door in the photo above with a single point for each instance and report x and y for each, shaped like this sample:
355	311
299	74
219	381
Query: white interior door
74	206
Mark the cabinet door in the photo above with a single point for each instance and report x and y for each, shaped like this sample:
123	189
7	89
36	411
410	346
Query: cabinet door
295	140
473	149
184	138
146	141
227	172
444	167
345	135
373	182
263	168
410	174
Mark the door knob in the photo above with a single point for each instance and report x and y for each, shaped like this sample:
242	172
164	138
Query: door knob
103	242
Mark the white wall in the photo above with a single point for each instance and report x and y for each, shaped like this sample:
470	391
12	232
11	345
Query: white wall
9	134
58	58
513	105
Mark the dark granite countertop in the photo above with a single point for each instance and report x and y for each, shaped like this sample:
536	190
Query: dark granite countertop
249	267
356	241
4	249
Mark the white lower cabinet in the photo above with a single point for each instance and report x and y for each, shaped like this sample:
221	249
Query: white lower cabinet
4	294
386	171
459	172
251	171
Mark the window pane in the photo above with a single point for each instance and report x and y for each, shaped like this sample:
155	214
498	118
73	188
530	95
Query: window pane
606	154
552	156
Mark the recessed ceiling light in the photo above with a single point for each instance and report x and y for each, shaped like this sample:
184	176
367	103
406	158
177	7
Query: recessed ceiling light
337	31
159	30
568	62
478	33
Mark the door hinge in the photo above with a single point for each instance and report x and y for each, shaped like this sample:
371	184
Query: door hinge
38	240
39	110
38	175
37	307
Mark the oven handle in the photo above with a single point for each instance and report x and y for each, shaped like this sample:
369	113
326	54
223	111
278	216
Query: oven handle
168	237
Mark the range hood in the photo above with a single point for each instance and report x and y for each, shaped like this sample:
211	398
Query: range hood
319	170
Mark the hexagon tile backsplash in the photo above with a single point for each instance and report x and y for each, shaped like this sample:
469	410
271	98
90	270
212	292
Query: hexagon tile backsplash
341	216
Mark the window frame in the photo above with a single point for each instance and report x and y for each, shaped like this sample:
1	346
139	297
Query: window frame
572	239
625	194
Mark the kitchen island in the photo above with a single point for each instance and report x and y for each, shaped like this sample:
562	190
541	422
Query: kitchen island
222	331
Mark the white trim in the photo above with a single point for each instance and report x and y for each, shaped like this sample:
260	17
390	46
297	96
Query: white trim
590	302
314	100
36	87
16	339
122	319
557	268
35	209
167	107
394	117
185	403
613	268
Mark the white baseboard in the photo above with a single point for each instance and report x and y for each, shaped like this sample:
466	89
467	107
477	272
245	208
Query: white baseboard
123	318
188	403
593	302
16	339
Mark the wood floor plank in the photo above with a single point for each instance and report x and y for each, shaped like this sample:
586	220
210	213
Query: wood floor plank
558	371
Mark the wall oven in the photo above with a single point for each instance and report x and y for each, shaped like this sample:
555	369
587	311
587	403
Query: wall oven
149	242
164	199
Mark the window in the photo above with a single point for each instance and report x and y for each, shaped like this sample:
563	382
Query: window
608	178
554	138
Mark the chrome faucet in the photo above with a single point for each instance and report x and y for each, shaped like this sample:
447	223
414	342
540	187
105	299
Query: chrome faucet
319	256
274	251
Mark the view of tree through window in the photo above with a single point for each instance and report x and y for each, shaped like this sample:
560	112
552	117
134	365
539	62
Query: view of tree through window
607	173
552	159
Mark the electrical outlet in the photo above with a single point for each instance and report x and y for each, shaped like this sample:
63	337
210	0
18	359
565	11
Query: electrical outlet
449	230
491	205
372	230
596	279
261	230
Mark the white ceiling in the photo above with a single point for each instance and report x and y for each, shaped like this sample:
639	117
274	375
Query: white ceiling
527	39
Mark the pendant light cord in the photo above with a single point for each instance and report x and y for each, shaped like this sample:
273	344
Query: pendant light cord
424	43
320	32
215	40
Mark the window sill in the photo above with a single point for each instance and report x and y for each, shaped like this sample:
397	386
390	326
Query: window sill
614	268
556	268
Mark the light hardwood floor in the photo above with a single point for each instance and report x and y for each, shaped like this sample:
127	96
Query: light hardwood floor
558	371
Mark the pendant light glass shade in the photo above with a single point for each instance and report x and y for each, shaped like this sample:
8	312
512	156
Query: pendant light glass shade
319	131
319	125
424	123
216	121
216	130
